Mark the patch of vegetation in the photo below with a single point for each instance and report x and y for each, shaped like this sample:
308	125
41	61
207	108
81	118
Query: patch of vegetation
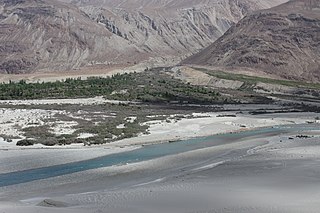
106	123
252	80
153	86
26	142
38	135
107	132
38	132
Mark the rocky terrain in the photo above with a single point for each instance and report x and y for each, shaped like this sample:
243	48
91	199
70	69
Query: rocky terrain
43	35
50	35
283	41
169	27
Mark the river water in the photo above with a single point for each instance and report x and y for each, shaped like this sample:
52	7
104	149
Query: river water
146	153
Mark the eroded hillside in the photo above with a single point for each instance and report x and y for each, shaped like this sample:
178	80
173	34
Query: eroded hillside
283	41
43	35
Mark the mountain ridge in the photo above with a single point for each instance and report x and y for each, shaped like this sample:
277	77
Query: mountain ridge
45	36
282	41
50	35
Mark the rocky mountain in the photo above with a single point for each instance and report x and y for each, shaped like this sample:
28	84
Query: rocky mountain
50	35
170	27
282	41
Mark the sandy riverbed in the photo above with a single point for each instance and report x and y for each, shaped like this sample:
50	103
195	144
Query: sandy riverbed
264	174
205	124
202	124
271	174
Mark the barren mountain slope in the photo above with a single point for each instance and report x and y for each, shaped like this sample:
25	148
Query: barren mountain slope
50	35
283	41
174	27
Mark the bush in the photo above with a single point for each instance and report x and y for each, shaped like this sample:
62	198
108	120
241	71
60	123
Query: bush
25	142
50	141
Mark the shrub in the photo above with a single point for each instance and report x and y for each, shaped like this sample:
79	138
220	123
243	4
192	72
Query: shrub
25	142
